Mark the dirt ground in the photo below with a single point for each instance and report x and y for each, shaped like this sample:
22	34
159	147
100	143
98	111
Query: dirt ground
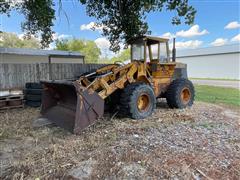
202	142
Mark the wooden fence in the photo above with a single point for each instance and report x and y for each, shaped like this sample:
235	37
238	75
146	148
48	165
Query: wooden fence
14	76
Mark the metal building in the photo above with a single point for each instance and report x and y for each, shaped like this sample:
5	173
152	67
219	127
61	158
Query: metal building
30	56
212	62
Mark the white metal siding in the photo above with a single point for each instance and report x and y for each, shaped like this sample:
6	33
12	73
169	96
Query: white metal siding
225	66
67	60
23	59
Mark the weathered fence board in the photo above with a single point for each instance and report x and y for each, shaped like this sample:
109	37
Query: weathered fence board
16	75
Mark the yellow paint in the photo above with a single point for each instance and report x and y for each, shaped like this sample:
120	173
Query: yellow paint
156	74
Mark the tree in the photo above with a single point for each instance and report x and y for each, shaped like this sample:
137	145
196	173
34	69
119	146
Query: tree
11	40
86	47
124	19
120	19
122	57
39	17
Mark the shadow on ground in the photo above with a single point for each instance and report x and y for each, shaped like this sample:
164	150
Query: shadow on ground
194	143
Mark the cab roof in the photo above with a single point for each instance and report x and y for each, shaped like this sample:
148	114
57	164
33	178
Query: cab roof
149	39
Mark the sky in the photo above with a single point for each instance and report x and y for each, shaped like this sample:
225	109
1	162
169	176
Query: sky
217	23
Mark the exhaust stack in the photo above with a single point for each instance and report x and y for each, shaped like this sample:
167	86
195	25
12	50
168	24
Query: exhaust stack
174	51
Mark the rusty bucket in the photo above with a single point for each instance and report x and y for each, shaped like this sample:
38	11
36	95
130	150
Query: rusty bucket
70	106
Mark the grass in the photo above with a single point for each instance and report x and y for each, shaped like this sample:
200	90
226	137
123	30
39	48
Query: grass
217	79
218	95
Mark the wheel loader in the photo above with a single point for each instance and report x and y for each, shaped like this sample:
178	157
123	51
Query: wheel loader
133	87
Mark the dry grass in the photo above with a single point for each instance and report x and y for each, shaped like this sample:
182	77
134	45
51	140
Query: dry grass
201	142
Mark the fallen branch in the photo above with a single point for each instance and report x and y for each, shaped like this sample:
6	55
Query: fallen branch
202	173
113	116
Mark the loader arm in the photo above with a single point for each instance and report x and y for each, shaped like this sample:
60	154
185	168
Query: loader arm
77	105
115	77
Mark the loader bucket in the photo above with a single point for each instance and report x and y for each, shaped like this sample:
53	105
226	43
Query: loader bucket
70	106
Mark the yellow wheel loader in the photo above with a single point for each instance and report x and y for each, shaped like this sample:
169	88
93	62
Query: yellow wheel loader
133	87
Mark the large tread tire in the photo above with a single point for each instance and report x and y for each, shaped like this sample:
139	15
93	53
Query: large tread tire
173	94
33	91
129	99
112	101
33	104
35	98
33	85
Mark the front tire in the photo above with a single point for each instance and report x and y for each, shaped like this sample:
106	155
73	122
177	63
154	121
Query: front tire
180	94
137	101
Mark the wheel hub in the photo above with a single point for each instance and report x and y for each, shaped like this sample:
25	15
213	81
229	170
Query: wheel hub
185	95
143	102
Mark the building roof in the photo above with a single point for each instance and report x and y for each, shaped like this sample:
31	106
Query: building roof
40	52
226	49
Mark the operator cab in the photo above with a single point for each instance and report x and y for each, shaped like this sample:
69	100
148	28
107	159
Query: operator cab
149	49
153	52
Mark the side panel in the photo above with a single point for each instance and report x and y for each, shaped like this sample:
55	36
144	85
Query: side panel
180	71
162	76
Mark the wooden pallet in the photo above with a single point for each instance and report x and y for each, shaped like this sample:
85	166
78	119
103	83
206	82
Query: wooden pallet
12	107
11	99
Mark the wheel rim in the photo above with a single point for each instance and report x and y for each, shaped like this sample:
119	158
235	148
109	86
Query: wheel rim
143	102
185	95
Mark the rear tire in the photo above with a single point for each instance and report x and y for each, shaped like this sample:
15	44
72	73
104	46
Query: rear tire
33	104
33	91
137	101
32	97
33	85
180	94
